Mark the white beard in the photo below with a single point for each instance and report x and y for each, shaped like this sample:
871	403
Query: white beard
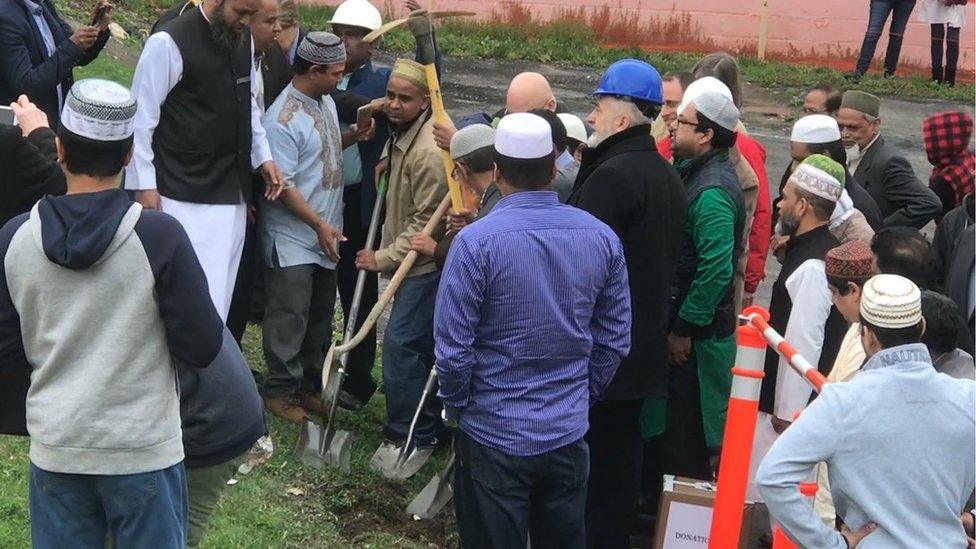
594	140
853	153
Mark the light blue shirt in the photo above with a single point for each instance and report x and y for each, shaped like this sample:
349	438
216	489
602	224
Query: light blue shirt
305	142
352	163
898	441
37	12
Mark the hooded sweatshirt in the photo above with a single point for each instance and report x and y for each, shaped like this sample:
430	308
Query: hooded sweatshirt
97	298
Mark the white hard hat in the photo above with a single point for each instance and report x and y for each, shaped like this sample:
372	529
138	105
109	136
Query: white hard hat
574	126
357	13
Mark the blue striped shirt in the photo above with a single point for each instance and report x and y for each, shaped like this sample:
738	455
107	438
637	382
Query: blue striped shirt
532	320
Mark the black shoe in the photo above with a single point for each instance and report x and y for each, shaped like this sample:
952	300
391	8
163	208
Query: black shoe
349	402
888	75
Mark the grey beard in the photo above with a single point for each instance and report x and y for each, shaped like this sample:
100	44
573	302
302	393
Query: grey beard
788	225
853	153
226	38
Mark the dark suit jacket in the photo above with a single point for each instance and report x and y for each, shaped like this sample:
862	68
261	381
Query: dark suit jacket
30	170
25	66
903	200
957	278
276	74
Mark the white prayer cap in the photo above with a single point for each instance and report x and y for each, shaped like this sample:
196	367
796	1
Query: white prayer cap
100	110
575	129
815	128
816	181
718	108
891	301
523	135
471	138
707	83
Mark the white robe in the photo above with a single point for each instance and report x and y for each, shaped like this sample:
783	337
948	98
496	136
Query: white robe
216	230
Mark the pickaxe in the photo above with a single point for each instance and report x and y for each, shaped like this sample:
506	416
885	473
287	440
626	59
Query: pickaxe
433	83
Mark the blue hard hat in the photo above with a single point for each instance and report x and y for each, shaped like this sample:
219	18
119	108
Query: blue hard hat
632	78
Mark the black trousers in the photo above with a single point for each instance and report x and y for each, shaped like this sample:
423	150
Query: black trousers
243	306
501	500
359	366
616	452
949	36
684	450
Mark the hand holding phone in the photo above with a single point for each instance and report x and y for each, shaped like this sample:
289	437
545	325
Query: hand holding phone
364	117
7	116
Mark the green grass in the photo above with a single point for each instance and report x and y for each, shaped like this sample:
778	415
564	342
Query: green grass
107	67
333	510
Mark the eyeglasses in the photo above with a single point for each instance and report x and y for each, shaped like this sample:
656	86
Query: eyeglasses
456	172
687	122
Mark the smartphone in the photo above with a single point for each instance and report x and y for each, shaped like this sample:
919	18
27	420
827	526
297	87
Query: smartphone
364	116
7	116
97	20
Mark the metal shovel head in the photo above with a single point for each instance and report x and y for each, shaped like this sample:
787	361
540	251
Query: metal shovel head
389	462
435	496
312	449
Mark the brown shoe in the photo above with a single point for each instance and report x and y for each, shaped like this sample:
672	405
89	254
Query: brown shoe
312	404
287	407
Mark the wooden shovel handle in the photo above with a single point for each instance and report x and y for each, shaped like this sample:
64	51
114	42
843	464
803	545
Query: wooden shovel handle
395	282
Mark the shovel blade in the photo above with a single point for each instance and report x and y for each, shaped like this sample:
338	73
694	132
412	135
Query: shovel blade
392	464
340	451
435	495
310	445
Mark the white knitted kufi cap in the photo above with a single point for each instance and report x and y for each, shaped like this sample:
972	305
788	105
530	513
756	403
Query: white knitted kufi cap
815	128
891	301
523	135
696	88
575	129
471	138
100	110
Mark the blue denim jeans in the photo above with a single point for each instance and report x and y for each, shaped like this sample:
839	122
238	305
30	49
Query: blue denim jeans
900	11
140	510
408	356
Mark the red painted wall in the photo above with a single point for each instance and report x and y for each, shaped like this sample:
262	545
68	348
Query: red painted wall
825	31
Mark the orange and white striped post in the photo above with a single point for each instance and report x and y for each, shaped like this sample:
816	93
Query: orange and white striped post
759	318
740	423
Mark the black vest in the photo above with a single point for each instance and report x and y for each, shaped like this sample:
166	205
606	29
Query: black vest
202	145
810	245
709	171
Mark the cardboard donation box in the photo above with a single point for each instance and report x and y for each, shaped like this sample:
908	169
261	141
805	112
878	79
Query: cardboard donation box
684	517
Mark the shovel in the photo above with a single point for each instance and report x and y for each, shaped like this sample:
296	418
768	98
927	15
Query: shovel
435	496
404	462
324	445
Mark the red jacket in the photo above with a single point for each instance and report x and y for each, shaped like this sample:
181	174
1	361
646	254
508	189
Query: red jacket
762	222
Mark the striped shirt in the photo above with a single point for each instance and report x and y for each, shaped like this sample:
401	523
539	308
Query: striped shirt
532	320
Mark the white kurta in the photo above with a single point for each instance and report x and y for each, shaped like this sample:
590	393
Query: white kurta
216	230
934	11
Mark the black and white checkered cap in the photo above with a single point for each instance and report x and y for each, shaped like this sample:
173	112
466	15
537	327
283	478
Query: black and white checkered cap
98	109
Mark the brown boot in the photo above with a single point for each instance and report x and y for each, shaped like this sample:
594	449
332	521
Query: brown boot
312	404
287	407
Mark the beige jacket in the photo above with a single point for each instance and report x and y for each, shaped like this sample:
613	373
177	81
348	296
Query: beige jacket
849	359
417	184
855	228
749	183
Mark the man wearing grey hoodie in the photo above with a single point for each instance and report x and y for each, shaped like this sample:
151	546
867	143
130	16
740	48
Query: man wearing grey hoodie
98	299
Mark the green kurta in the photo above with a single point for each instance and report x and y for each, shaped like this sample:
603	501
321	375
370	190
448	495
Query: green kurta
711	225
